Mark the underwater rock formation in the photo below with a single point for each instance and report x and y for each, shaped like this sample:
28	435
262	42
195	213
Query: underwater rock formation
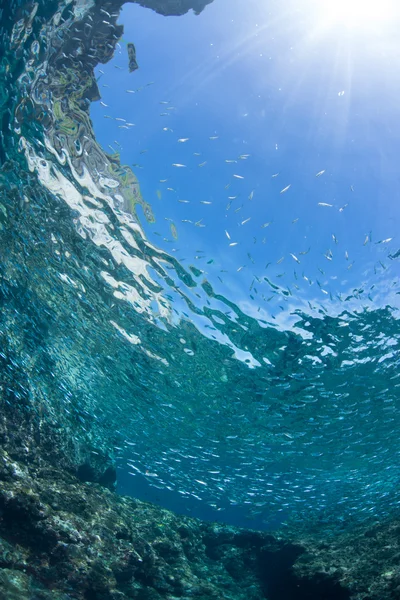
83	541
61	539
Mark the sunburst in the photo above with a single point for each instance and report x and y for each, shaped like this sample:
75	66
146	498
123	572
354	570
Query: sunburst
357	13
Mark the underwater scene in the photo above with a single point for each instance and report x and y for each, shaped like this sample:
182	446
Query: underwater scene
200	294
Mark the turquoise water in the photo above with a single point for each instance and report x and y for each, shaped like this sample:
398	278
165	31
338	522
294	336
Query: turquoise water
229	329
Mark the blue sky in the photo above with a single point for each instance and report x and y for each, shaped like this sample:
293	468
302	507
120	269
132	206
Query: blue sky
296	94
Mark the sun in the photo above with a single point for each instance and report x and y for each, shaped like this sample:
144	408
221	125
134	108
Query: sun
357	13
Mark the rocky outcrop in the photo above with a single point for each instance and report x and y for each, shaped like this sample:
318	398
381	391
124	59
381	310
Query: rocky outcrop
364	560
174	7
83	541
62	539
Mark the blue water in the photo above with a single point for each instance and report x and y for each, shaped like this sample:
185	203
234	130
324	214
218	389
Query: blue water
230	332
305	107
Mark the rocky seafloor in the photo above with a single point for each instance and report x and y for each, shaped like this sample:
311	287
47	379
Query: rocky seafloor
63	538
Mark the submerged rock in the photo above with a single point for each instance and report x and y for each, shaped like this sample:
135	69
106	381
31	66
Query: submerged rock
63	539
81	540
84	541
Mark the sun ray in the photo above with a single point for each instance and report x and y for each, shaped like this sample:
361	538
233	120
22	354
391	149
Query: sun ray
357	13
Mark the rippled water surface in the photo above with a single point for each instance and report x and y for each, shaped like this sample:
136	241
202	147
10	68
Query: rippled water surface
200	256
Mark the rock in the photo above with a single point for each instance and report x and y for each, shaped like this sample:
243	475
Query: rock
174	7
15	585
83	540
